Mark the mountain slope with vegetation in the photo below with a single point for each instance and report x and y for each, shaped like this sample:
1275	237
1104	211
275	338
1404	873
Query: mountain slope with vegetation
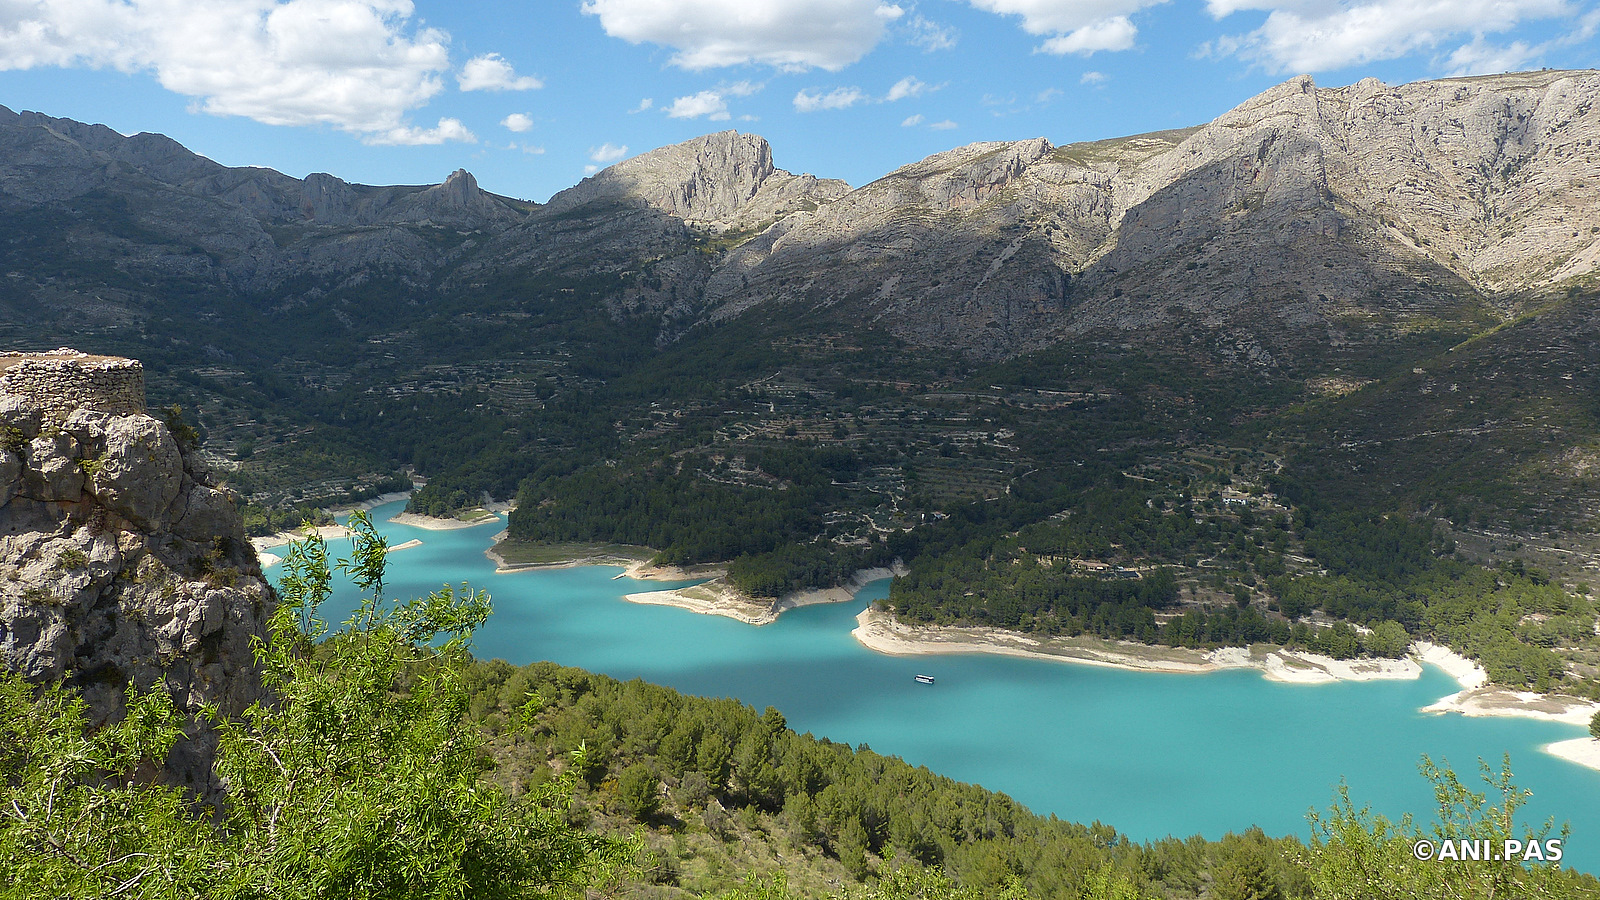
1365	304
386	767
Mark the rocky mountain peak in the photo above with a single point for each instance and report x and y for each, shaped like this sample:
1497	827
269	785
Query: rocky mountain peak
460	191
120	561
710	179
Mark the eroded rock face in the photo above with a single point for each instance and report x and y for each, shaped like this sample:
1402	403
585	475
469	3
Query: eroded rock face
120	563
1286	226
719	181
140	471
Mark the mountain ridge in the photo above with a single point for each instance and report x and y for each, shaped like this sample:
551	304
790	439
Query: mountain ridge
1457	196
1315	239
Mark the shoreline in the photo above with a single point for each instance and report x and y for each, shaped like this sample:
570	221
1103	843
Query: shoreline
879	631
266	543
434	523
263	545
634	560
716	597
1584	751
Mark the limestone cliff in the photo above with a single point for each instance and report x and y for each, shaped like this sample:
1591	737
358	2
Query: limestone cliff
1305	223
718	181
119	560
1305	218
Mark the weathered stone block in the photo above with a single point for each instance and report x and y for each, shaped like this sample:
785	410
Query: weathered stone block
52	472
140	472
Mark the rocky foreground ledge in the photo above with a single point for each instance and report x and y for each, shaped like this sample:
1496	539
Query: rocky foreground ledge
120	561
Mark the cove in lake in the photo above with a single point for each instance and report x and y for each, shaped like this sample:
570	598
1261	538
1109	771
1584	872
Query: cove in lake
1150	754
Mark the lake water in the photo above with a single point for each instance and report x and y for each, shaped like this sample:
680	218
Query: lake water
1149	754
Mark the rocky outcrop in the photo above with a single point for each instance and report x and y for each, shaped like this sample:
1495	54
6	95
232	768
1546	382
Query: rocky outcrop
119	561
1305	219
1304	226
717	181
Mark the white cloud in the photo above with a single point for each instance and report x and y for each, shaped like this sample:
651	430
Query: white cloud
590	170
607	153
1322	35
517	122
446	130
1048	94
1077	26
791	35
1483	58
929	35
491	73
911	121
644	104
1092	78
532	150
713	103
355	65
706	103
1116	33
906	87
838	98
946	125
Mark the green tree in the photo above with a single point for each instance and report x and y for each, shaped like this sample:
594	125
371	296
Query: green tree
1388	638
1356	855
1594	726
74	822
1245	875
714	760
359	779
640	790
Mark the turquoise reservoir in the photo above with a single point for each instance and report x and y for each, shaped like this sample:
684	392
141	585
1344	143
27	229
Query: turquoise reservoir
1149	754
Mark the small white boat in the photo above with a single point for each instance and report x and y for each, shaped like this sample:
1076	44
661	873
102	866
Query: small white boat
924	679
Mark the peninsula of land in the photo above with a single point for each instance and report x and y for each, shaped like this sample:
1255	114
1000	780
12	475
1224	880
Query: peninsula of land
481	516
717	597
878	630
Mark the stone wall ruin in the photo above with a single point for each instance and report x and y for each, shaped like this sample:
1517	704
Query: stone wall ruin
56	382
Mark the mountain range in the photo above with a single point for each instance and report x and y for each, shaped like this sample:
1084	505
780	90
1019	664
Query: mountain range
1305	217
1338	240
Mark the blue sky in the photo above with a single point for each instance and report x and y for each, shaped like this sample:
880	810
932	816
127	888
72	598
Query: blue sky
530	96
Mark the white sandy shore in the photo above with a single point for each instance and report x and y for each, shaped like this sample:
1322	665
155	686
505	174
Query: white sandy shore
1467	673
434	523
718	598
1479	698
636	560
328	532
1504	702
282	538
878	630
414	542
1584	751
